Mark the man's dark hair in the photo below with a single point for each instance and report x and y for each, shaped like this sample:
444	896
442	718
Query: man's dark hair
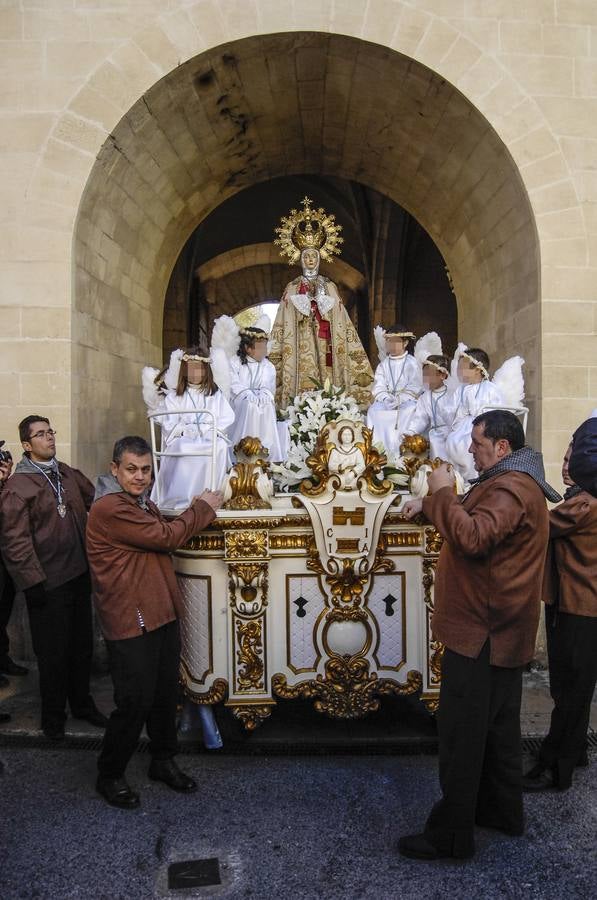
480	355
132	443
25	426
501	424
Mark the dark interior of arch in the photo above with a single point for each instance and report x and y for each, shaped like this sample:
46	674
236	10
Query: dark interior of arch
389	262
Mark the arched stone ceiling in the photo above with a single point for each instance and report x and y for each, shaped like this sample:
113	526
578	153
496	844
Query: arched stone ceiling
288	104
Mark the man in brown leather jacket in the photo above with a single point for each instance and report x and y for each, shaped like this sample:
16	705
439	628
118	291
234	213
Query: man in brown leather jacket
136	597
570	595
487	602
43	514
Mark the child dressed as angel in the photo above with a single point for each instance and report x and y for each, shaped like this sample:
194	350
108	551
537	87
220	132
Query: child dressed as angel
185	391
252	388
396	386
434	412
477	393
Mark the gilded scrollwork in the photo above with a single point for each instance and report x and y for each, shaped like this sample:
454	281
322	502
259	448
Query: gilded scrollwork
215	694
432	704
204	542
247	585
246	544
402	538
249	655
347	690
252	715
290	541
433	540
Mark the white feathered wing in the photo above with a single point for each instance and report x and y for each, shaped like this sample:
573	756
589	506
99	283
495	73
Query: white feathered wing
510	381
428	345
379	334
151	394
225	336
452	382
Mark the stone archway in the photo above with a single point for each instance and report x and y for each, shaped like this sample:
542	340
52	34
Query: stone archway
281	104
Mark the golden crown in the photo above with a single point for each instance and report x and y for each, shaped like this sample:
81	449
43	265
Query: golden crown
308	229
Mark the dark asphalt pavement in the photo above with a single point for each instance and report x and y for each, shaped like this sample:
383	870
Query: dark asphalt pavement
320	827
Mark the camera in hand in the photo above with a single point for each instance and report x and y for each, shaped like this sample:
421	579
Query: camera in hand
5	455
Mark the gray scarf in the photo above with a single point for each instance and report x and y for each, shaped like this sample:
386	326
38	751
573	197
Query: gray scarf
27	467
524	460
108	484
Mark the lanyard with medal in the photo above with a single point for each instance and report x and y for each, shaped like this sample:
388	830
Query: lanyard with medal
61	505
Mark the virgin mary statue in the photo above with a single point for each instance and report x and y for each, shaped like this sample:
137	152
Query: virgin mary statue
313	338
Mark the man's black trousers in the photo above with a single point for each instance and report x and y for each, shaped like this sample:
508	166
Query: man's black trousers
480	751
572	654
61	631
7	596
145	673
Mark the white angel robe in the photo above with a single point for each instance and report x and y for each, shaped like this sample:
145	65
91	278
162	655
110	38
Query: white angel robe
469	401
433	417
396	386
183	477
252	390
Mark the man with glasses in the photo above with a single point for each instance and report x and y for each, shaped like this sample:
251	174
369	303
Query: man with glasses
43	516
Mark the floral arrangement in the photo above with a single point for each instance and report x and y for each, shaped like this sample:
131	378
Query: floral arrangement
307	415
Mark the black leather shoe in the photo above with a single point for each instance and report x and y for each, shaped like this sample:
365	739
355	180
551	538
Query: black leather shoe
94	718
54	732
9	667
167	771
539	778
116	792
418	846
4	717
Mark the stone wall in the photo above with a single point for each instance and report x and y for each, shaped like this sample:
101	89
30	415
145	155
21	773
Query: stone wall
124	124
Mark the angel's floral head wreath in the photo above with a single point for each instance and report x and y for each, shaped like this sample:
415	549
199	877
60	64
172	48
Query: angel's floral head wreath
476	363
430	362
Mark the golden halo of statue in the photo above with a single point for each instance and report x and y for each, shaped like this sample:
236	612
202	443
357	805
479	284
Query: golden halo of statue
306	229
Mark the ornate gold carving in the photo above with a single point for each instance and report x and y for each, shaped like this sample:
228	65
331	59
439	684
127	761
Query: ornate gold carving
249	655
432	704
414	443
203	542
435	663
297	521
433	540
215	694
243	484
318	463
247	585
246	544
290	541
251	448
347	545
308	228
429	564
252	715
341	516
403	538
249	523
347	690
436	649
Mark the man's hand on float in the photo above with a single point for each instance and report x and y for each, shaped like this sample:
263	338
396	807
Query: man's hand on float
412	508
441	477
212	498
